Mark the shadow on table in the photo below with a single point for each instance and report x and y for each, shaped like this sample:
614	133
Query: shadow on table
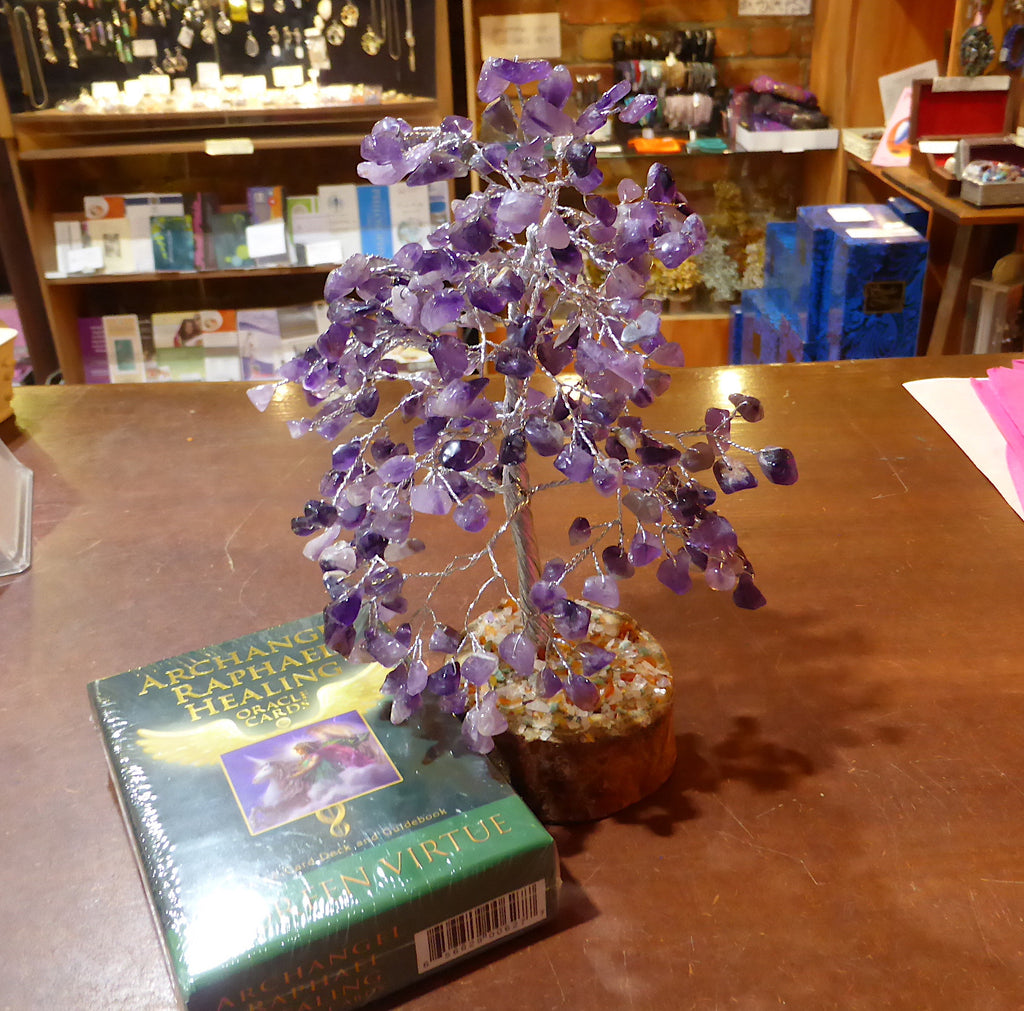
783	725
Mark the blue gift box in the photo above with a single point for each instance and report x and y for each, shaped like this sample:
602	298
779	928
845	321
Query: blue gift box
782	268
864	272
908	211
770	328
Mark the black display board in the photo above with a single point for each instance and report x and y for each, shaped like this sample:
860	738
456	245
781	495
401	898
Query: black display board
39	70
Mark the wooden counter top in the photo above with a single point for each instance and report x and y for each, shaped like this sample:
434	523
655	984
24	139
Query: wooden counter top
843	829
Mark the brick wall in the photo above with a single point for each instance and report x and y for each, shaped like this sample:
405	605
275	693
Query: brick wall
747	46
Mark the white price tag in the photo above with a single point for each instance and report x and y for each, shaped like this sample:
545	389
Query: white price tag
266	239
85	259
847	215
207	75
292	76
229	145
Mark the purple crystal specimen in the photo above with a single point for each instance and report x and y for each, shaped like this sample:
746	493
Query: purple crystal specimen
546	596
519	652
617	563
546	437
431	498
542	119
720	575
572	620
697	457
778	465
549	684
583	693
748	408
444	639
483	723
713	535
519	209
733	475
601	590
445	679
450	356
471	514
477	668
593	658
512	360
557	88
674	572
384	648
397	470
442	310
638	108
404	704
644	549
579	530
746	594
575	463
460	454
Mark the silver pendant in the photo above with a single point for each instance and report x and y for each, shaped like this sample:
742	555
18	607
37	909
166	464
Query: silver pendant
349	15
252	47
334	34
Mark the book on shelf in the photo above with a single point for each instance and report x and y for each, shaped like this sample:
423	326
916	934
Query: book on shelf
259	343
140	209
69	239
375	220
229	239
112	348
113	239
201	207
266	234
298	210
298	850
195	345
339	205
174	243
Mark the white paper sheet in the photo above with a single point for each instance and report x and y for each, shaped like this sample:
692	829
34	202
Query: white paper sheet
956	407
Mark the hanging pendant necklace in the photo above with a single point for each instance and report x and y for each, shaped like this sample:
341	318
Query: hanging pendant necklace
410	39
349	15
252	47
391	28
223	23
45	42
275	41
30	67
65	27
371	41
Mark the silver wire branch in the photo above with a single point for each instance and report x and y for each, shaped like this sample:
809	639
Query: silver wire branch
517	495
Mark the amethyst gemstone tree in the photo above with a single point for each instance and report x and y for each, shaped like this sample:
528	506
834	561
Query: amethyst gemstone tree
552	279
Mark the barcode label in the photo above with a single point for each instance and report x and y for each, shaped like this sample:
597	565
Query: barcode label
476	927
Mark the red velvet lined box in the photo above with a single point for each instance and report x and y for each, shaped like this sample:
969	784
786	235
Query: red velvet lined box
958	108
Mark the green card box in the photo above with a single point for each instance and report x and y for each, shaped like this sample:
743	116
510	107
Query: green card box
297	848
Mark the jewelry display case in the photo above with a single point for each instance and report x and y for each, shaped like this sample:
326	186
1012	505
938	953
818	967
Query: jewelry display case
200	97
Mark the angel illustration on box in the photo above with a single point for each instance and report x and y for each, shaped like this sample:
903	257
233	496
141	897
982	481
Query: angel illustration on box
301	772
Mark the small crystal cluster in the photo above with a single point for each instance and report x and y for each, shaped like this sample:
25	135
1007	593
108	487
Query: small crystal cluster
510	267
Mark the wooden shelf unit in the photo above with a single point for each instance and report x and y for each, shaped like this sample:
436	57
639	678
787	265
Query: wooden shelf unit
58	158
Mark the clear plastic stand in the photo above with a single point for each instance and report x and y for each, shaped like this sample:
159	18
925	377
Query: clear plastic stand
15	514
